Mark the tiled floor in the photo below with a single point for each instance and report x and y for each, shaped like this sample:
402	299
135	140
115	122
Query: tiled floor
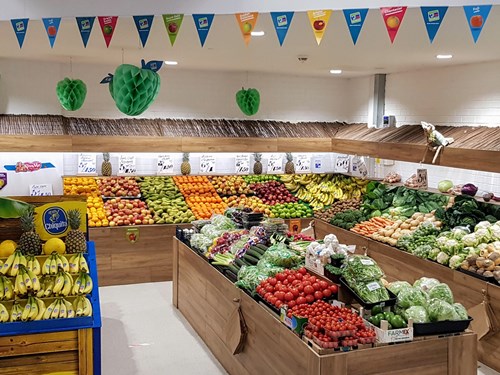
143	334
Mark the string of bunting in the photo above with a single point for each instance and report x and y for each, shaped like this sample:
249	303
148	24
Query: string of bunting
476	16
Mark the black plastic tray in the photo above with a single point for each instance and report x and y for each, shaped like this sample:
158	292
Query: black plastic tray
490	279
368	305
441	328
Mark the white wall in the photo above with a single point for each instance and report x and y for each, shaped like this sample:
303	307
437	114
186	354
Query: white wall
461	95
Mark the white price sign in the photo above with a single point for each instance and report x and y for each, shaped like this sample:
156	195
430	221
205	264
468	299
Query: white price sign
207	164
359	167
342	164
318	164
275	164
242	164
422	178
165	165
303	164
87	164
127	166
39	190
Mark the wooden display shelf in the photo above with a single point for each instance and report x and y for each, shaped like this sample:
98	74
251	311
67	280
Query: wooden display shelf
44	353
400	265
207	300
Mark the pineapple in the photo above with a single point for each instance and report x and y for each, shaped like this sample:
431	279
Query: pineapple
106	168
29	243
75	239
185	166
289	166
257	166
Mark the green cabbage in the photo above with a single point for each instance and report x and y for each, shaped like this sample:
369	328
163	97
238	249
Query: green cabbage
440	310
417	313
445	185
412	297
461	311
397	286
426	283
442	292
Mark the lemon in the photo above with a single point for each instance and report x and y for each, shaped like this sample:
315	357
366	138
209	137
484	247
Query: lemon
54	244
7	248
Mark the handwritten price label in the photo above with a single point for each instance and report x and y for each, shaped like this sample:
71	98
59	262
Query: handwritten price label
165	165
342	164
359	166
275	164
242	164
422	178
207	164
39	190
87	164
127	166
303	164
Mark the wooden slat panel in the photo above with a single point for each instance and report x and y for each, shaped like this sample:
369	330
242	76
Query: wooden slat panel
85	357
38	343
40	364
489	347
126	144
162	273
229	144
470	159
458	364
231	363
103	262
139	259
175	276
38	143
304	145
125	276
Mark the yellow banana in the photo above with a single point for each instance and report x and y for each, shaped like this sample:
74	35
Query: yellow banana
41	309
26	278
53	265
69	309
84	267
8	289
55	311
37	269
22	259
49	289
48	312
59	283
87	307
16	312
88	284
63	313
68	284
35	281
79	306
46	266
14	266
4	314
74	265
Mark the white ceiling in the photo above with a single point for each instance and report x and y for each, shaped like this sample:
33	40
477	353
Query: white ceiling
225	50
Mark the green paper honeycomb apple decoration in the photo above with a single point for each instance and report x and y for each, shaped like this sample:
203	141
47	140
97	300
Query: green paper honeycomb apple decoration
134	89
248	101
71	93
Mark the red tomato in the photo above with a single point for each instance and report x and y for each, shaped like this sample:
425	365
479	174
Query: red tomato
301	300
299	276
278	303
308	290
267	295
309	298
280	277
291	278
312	279
288	296
323	284
318	295
300	288
327	293
272	300
302	270
307	282
295	292
272	281
285	282
291	304
316	286
280	295
269	288
334	288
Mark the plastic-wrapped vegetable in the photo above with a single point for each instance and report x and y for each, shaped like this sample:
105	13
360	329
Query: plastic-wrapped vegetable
211	231
417	313
371	292
456	260
362	268
200	242
222	222
426	283
249	277
440	310
441	291
397	286
280	255
443	258
461	311
412	297
267	268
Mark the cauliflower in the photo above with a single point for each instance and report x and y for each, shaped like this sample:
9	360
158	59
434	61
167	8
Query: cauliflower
459	232
452	247
455	261
482	225
331	240
495	231
483	235
441	241
470	240
443	258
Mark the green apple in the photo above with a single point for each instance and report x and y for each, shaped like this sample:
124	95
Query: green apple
247	27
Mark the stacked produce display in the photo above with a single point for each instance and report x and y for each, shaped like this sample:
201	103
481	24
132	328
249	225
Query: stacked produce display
87	186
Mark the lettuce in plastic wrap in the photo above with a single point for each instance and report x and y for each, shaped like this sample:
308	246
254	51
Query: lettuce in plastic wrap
440	310
417	313
397	286
426	283
412	297
441	291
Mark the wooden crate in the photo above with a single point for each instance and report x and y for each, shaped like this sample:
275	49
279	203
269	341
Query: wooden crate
44	353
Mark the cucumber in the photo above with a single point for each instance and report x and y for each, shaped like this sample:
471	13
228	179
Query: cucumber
255	254
240	262
261	246
231	275
233	269
250	259
257	250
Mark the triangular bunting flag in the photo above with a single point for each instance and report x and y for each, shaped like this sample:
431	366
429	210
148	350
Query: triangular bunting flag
319	21
20	26
108	25
247	22
85	25
355	18
282	22
433	17
393	17
52	27
173	24
476	18
143	25
203	23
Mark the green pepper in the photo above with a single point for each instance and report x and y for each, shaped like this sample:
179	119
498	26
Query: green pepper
377	310
388	315
398	322
375	320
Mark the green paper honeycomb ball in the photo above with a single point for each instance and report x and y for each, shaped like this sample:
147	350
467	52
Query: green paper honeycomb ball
248	101
71	93
134	89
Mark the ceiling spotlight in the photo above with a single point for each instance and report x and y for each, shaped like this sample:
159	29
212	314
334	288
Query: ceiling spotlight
257	33
171	62
336	71
444	57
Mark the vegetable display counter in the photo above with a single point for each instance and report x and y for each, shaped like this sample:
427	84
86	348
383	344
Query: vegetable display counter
210	303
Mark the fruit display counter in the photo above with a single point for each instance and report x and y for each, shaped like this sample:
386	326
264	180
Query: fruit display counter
402	265
213	305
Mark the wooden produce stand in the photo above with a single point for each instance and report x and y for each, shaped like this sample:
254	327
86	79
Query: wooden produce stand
401	265
208	301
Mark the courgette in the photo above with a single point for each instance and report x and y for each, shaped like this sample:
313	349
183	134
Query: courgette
257	250
251	259
261	246
253	253
233	269
240	262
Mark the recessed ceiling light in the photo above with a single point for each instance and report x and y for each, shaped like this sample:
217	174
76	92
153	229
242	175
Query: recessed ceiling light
257	33
336	71
444	57
171	62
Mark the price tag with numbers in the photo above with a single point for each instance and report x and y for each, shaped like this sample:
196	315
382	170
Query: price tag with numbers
422	178
342	163
303	164
127	166
242	164
38	190
207	164
275	164
165	165
87	164
358	166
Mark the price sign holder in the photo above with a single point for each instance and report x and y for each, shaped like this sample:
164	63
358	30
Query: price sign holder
342	163
358	166
275	164
207	164
242	164
87	164
127	166
165	165
422	178
303	164
39	190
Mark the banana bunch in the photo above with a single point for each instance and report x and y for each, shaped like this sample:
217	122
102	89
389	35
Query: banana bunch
26	281
83	284
58	309
63	284
83	306
46	286
77	263
16	312
4	314
6	289
33	265
33	310
11	265
54	263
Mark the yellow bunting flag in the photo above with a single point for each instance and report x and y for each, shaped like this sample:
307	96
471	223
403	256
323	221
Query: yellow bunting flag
319	20
247	23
